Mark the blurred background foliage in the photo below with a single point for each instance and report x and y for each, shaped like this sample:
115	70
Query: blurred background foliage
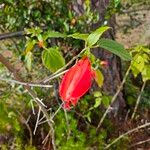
78	131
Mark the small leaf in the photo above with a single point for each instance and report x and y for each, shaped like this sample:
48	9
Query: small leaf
115	48
146	73
99	78
94	36
53	34
106	100
97	94
52	59
28	60
97	102
79	36
89	116
29	45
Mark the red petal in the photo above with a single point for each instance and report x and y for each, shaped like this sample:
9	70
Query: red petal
76	82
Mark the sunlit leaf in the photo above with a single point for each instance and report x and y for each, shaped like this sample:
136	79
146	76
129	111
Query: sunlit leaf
99	78
94	36
79	36
98	101
53	34
146	73
29	45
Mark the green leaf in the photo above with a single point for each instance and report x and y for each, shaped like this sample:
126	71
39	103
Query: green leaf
94	36
79	36
138	62
52	59
98	101
106	100
53	34
28	60
33	31
99	78
115	48
146	73
89	116
97	94
29	45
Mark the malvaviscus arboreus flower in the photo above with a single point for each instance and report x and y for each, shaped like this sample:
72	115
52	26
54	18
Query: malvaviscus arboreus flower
76	82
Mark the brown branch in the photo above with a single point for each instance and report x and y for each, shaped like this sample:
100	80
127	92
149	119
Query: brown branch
15	34
8	65
11	35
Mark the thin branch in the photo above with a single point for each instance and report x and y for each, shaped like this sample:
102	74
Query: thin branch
138	100
37	120
125	134
139	143
24	121
68	125
24	83
11	35
113	99
32	106
15	34
52	117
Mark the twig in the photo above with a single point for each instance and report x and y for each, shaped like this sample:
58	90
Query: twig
138	100
68	125
32	106
52	117
46	138
24	121
139	143
113	99
15	34
37	120
129	132
55	76
7	64
24	83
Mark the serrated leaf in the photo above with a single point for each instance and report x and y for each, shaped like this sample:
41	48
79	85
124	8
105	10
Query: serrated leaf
79	36
97	102
94	36
114	47
99	78
53	34
52	59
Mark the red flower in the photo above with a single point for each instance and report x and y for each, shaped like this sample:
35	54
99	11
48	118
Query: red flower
76	82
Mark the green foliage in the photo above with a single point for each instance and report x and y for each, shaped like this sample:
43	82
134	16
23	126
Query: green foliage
115	48
79	36
99	78
95	35
52	59
141	62
67	135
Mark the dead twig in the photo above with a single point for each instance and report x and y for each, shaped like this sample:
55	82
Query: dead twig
138	100
113	99
127	133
